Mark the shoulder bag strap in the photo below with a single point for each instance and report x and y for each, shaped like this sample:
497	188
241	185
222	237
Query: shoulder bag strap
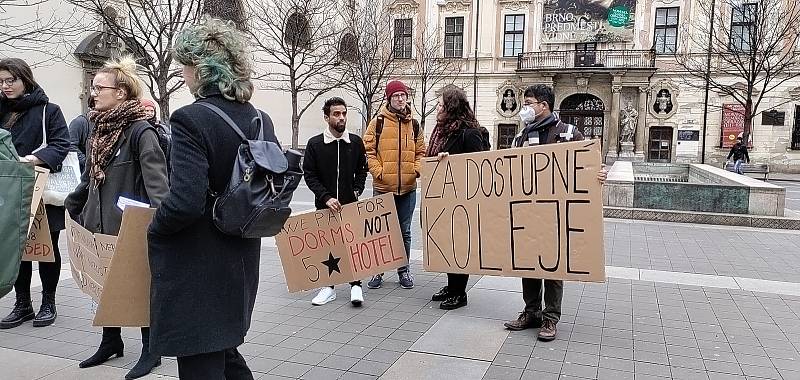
44	129
227	119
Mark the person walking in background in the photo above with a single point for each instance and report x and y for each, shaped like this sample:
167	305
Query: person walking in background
457	131
335	170
395	146
204	282
739	154
118	166
79	130
40	136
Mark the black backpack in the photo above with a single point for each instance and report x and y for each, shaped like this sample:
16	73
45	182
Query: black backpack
256	201
164	140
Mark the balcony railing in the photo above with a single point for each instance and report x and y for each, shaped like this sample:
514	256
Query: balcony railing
586	59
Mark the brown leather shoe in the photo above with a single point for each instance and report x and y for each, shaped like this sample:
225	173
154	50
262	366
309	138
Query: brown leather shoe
548	331
524	321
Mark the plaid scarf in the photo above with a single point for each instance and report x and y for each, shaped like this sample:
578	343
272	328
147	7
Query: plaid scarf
108	128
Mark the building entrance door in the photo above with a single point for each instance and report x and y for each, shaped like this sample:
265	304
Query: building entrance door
660	145
585	111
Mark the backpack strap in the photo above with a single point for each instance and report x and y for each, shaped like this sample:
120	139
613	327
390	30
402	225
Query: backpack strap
415	125
231	123
138	130
44	130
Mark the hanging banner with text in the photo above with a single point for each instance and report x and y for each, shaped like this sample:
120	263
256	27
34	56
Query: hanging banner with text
323	248
532	212
732	125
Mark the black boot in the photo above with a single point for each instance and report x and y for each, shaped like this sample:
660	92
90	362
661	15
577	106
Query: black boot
147	361
454	302
23	311
110	345
47	313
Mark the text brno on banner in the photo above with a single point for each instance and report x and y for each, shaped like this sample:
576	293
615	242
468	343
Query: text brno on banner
527	212
322	248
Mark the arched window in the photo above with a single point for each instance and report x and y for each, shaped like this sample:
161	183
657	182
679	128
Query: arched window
348	48
297	32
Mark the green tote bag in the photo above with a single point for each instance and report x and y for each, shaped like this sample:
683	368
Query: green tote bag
16	191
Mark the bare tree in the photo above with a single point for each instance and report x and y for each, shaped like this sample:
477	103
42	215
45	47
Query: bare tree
368	57
41	32
430	71
147	29
753	47
298	42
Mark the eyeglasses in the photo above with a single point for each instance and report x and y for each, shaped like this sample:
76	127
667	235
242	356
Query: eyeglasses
400	96
97	88
8	81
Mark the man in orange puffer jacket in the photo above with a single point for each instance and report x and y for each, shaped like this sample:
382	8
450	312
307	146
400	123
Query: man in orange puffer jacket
395	147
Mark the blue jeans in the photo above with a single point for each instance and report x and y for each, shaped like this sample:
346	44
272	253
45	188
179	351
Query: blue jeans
405	212
737	166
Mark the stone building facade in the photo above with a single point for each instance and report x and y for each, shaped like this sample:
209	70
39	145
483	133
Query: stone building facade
615	77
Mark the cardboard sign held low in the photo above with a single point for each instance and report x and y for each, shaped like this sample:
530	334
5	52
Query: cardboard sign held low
39	246
323	248
531	212
114	271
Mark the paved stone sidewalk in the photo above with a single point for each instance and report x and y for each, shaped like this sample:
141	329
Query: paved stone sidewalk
622	329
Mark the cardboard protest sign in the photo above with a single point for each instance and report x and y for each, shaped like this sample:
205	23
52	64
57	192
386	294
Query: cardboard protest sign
323	248
39	246
531	212
114	271
126	293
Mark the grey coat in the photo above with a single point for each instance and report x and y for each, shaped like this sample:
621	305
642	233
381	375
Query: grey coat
143	179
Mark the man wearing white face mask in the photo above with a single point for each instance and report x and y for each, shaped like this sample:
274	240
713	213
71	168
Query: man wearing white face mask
542	126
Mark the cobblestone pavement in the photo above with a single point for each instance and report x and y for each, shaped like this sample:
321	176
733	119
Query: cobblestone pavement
681	302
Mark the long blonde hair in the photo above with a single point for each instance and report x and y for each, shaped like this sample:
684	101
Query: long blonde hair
124	71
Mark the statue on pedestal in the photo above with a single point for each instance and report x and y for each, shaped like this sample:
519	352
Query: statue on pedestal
629	117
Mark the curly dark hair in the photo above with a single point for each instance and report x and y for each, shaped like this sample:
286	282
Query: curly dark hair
456	108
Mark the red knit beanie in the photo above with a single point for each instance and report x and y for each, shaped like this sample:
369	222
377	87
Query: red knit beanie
395	86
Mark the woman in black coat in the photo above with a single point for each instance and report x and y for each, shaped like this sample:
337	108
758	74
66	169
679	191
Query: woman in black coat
457	131
24	111
204	283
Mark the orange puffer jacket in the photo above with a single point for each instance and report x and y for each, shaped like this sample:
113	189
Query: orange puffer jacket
394	161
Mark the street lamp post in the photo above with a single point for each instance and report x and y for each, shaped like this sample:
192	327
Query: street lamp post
708	80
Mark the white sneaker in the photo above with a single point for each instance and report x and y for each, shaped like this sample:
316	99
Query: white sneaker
324	296
356	295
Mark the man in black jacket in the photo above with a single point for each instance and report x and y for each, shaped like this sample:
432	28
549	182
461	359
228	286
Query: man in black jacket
739	154
335	167
542	126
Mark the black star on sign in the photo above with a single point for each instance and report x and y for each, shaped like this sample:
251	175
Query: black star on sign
332	263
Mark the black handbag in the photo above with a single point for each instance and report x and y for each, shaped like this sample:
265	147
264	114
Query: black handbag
264	177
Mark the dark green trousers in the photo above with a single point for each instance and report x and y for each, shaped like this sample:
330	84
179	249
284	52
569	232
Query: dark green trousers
532	294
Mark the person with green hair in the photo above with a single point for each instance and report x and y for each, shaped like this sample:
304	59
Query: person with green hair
204	282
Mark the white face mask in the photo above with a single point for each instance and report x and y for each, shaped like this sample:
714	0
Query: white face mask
527	114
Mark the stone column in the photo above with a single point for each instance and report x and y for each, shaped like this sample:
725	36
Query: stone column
641	126
612	142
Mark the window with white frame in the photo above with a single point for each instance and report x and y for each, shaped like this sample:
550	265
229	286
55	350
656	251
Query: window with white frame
513	36
454	37
665	34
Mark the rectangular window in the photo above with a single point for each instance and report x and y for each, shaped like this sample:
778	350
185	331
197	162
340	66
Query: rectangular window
796	129
454	37
402	38
513	37
666	30
743	22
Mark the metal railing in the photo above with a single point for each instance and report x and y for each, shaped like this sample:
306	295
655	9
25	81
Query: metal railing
592	59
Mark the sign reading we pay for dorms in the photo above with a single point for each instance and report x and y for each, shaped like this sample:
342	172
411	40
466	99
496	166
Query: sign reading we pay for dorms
527	212
323	248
